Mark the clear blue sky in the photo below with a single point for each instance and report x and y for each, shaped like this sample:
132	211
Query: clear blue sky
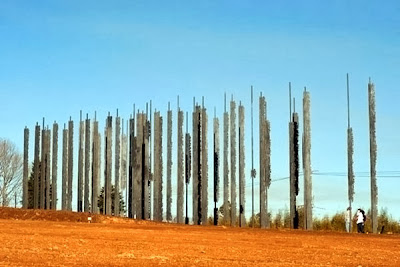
60	57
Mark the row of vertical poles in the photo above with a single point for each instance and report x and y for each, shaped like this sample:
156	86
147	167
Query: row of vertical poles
140	176
44	189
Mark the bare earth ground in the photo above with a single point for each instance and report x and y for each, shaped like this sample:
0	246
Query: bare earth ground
49	238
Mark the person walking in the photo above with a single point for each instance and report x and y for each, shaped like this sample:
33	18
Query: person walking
360	221
347	217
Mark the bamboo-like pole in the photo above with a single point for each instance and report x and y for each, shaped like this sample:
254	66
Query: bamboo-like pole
188	166
54	168
146	168
70	162
233	162
169	164
253	171
242	178
350	151
199	166
195	167
263	186
81	163
158	168
64	185
226	208
131	177
25	198
96	151
308	222
373	156
124	160
107	205
139	167
117	167
47	168
180	169
87	166
204	165
216	168
43	169
47	162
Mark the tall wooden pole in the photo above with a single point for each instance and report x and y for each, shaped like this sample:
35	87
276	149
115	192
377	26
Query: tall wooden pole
70	162
117	167
81	163
226	207
64	185
373	156
54	168
180	169
350	151
308	222
169	164
233	161
25	198
87	166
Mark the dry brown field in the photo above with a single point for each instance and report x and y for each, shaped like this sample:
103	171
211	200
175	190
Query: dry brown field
50	238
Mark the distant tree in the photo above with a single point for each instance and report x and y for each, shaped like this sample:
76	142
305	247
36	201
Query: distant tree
122	207
31	185
10	171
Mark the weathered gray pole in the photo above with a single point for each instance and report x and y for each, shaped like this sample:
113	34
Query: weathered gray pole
86	194
25	198
242	178
43	169
95	167
149	160
373	156
308	222
350	151
226	208
54	168
81	163
48	164
253	171
117	164
216	168
233	162
131	178
64	182
158	168
204	164
36	192
188	165
124	160
169	164
107	209
294	170
195	162
264	218
180	169
145	150
70	162
293	161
